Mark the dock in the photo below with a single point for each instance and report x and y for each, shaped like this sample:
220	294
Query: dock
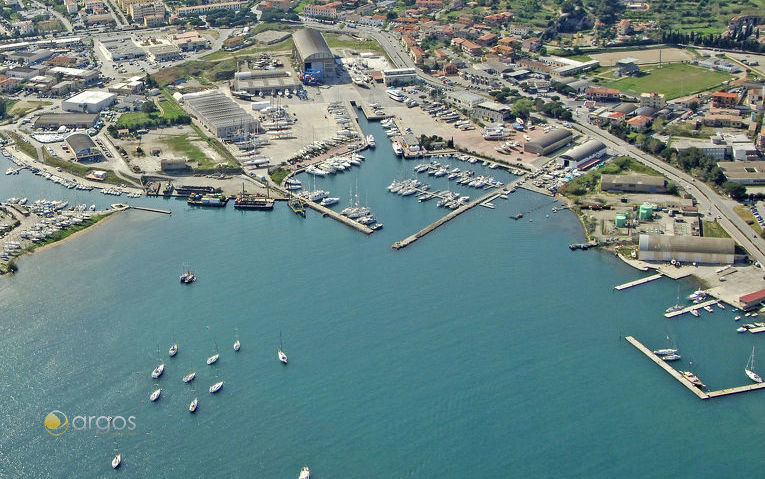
697	391
153	210
431	227
691	308
369	112
638	282
664	365
337	216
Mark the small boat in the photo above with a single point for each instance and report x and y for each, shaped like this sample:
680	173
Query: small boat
158	371
665	352
737	318
116	461
693	379
371	141
695	312
376	226
749	369
193	406
173	350
212	359
155	395
708	309
189	377
329	201
671	357
741	329
188	277
720	305
237	345
216	387
282	356
305	473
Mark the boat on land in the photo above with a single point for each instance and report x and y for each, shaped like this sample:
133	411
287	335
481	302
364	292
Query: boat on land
193	406
116	461
173	350
155	395
216	387
158	371
189	377
749	369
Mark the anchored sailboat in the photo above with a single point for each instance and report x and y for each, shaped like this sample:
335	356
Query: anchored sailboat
750	369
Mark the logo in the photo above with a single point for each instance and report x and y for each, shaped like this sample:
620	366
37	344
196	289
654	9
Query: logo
56	423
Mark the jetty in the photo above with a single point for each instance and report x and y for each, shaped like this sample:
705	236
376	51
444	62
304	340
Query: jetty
153	210
337	216
368	111
685	382
691	308
638	282
431	227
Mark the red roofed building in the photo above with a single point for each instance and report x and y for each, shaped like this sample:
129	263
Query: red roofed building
501	18
487	40
417	54
639	122
471	48
723	99
602	94
532	44
752	300
466	19
430	4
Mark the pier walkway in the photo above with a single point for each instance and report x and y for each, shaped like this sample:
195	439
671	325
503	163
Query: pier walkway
368	111
431	227
677	375
328	212
153	210
638	282
691	308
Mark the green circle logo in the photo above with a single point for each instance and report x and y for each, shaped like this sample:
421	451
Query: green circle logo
56	423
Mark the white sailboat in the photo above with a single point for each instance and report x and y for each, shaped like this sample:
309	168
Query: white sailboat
173	350
750	369
117	461
305	473
216	387
158	371
189	377
280	353
212	359
155	395
193	406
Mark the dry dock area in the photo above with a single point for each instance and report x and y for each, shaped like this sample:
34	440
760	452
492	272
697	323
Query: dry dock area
638	282
675	374
691	308
431	227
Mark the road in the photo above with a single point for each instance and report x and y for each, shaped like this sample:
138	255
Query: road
64	21
707	199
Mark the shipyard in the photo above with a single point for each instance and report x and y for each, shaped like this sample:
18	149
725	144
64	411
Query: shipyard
348	176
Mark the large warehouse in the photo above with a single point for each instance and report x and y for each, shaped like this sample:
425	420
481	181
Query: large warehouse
549	142
265	81
54	121
89	101
584	155
313	54
687	249
83	147
220	114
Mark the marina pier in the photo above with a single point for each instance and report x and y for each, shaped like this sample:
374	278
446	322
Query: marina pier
328	212
638	282
691	308
685	382
153	210
431	227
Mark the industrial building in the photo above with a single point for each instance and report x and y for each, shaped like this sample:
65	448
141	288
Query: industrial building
463	100
54	121
265	81
492	111
89	101
83	147
81	76
313	54
583	156
633	183
220	114
687	249
119	48
744	172
549	142
399	76
752	301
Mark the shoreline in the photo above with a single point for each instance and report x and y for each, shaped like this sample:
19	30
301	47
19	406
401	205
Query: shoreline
102	219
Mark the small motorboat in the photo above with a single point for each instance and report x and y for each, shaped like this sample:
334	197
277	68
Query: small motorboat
282	356
708	309
212	359
189	377
173	350
741	329
237	345
158	371
665	352
193	406
671	357
720	305
216	387
117	461
155	395
305	473
695	312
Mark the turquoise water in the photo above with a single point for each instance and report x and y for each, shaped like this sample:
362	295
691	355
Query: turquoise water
486	349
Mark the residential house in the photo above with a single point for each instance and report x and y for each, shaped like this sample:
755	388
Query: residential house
624	27
722	99
602	94
487	40
417	54
639	122
532	44
24	27
653	100
518	30
502	18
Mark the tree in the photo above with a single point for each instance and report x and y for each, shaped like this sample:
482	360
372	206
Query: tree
3	108
522	107
148	107
737	191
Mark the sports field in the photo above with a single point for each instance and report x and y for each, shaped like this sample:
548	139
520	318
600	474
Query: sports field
674	80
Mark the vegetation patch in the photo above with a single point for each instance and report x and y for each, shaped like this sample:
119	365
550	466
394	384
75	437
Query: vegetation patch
674	80
278	174
712	229
747	215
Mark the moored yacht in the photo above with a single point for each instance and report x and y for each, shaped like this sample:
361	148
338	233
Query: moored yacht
695	312
216	387
397	149
173	350
117	461
665	352
329	201
189	377
158	371
155	395
371	141
305	473
212	359
193	406
749	369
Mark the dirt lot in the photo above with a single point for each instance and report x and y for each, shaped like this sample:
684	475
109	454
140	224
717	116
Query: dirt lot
644	56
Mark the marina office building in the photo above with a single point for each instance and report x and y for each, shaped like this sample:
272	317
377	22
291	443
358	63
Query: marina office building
220	115
399	76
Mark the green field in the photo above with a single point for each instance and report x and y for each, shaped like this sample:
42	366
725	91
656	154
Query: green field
712	229
674	80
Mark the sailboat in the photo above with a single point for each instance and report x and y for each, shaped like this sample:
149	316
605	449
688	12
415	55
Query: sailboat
117	461
280	353
193	406
750	369
173	350
677	306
